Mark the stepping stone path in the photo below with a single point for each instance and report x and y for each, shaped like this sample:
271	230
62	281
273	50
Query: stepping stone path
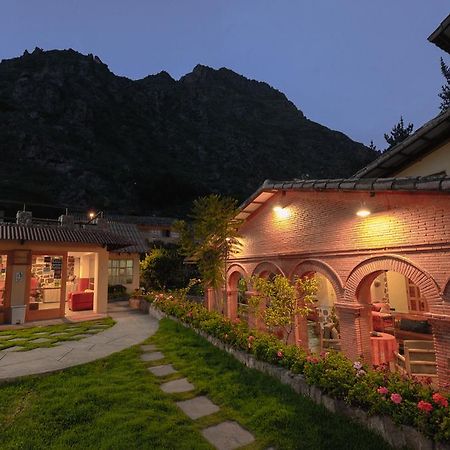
176	386
40	340
162	371
198	407
6	336
227	435
152	356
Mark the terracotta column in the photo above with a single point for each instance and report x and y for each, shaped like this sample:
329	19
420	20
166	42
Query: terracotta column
231	306
355	326
441	337
209	299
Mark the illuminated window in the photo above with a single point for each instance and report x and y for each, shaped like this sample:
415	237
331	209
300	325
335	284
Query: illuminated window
120	271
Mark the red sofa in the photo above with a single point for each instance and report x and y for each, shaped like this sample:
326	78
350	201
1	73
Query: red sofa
81	301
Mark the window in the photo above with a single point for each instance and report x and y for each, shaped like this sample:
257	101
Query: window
3	263
120	271
46	282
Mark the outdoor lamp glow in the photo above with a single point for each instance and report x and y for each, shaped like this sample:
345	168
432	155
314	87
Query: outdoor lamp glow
282	213
363	212
91	215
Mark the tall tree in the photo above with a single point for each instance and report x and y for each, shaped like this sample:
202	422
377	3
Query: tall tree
445	89
398	133
210	237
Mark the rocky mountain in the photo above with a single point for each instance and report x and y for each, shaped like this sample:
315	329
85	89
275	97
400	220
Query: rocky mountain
72	132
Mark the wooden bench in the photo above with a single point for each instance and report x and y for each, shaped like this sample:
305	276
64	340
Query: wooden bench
419	359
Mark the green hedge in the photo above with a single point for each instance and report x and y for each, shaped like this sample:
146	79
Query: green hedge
407	400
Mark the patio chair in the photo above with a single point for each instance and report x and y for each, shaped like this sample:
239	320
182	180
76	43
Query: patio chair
419	359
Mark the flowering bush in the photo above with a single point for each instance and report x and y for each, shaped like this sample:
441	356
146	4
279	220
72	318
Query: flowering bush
379	391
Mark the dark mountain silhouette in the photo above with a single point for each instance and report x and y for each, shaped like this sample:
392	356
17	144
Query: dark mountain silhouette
72	132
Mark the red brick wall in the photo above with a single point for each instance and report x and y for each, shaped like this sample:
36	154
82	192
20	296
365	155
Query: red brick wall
408	233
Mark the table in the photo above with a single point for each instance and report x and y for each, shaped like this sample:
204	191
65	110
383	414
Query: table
383	348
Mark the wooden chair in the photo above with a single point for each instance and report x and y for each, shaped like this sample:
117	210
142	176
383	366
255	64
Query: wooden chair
419	359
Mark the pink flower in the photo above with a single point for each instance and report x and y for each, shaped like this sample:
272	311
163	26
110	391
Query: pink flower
251	338
189	314
280	354
226	336
425	406
396	398
382	390
360	373
357	365
440	400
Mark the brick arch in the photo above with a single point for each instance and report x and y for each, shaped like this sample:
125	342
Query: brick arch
370	268
234	272
313	265
267	267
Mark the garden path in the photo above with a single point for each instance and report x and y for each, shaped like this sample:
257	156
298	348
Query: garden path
131	328
227	435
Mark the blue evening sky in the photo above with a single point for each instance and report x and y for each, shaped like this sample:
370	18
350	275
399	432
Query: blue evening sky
352	65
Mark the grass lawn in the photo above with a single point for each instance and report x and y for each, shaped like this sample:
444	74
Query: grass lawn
48	336
115	403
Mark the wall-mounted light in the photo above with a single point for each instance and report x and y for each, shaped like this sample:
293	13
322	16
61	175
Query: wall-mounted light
282	213
91	215
363	211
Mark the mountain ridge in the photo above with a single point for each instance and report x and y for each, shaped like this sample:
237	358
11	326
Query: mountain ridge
73	132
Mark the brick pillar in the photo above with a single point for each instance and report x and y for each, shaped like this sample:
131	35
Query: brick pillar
355	326
231	306
441	337
209	299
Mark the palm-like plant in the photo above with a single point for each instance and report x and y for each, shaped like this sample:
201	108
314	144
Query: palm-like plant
210	237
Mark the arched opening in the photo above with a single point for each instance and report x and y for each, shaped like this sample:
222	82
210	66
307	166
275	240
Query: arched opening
322	321
237	303
400	332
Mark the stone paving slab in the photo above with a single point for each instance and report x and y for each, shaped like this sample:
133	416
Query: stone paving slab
156	356
149	348
18	339
130	329
227	436
6	336
176	386
198	407
40	340
13	349
161	371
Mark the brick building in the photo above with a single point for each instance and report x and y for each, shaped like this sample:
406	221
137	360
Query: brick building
380	248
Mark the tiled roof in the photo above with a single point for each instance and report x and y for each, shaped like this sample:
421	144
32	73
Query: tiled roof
13	232
405	184
424	140
131	233
142	220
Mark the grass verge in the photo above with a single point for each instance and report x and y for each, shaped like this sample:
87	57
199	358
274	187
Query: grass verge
116	403
26	337
276	415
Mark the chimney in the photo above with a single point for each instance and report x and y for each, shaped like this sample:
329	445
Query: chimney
24	218
66	221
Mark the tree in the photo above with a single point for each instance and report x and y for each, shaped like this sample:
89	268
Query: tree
445	90
163	268
372	146
399	133
210	236
283	301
